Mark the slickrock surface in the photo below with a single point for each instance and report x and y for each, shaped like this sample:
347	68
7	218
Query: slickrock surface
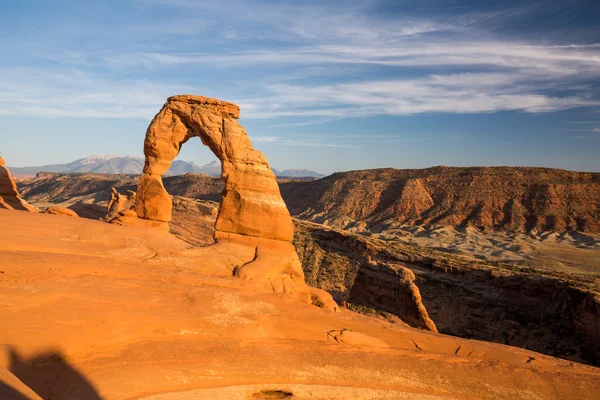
9	196
540	301
251	212
92	310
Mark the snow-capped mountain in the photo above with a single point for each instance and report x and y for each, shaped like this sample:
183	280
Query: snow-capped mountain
112	164
298	173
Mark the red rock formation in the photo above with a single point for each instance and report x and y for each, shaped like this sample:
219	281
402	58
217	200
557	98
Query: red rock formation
497	198
252	211
57	210
9	196
120	205
551	313
390	286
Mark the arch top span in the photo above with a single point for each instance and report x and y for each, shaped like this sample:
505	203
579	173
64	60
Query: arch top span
252	211
230	108
251	203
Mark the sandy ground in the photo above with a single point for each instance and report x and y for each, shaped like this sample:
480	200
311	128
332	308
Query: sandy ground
89	310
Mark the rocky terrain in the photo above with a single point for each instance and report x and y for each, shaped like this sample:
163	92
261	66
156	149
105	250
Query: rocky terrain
92	310
486	198
561	251
160	297
244	285
9	196
553	313
531	305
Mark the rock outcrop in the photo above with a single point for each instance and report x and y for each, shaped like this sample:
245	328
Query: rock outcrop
390	287
552	313
491	198
252	211
9	196
57	210
120	204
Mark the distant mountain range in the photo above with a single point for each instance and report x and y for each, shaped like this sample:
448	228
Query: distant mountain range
112	164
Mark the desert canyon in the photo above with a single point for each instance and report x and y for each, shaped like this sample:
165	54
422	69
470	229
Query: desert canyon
445	283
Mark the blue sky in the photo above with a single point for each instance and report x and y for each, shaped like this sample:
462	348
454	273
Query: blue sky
323	85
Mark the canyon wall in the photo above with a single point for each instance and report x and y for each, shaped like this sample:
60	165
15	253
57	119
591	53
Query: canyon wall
464	297
498	198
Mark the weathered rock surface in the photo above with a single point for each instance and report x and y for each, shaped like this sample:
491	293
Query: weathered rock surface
251	212
120	205
251	204
492	198
95	311
390	286
352	338
499	198
57	210
552	313
522	305
9	196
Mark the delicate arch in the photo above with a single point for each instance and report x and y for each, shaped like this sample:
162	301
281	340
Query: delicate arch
251	204
251	212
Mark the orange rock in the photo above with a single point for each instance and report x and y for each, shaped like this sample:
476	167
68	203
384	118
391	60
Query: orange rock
252	211
351	338
9	196
57	210
251	204
120	204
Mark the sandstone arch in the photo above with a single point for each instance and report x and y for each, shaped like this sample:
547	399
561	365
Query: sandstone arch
251	212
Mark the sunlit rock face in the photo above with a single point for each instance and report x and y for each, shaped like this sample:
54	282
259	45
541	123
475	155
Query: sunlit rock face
251	205
251	213
9	196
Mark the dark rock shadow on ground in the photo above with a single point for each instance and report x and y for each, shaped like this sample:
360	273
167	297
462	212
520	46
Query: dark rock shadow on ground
89	211
8	393
51	377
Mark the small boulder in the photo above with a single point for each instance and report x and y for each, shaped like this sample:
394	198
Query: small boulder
58	210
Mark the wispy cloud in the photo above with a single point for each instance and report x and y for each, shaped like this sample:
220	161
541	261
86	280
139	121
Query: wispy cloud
303	141
316	62
265	139
73	93
455	93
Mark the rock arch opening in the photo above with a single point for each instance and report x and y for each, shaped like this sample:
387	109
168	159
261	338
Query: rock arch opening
251	203
252	211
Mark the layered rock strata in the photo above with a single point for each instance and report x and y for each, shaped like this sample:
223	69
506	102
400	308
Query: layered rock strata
521	199
390	287
547	312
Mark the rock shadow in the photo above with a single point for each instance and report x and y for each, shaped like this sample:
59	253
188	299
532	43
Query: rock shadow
89	211
8	393
51	377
